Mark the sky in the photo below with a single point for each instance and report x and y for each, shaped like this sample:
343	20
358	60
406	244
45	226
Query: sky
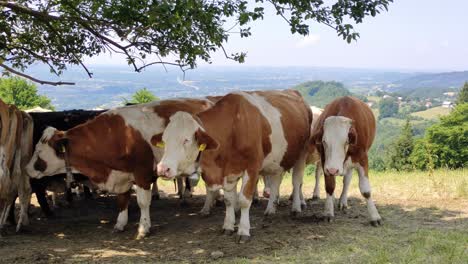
423	35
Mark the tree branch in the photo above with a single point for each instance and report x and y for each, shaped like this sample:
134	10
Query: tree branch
32	78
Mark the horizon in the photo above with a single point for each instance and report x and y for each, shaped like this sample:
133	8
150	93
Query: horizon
416	36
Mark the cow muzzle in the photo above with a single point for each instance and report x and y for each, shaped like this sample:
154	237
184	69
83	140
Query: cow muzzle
165	171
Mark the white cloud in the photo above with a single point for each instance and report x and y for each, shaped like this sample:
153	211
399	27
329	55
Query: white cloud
309	40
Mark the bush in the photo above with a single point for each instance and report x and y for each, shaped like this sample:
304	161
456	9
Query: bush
23	94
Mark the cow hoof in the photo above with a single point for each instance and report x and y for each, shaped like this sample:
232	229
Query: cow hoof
184	204
141	235
303	206
376	223
242	239
156	197
117	230
205	212
228	232
295	214
343	207
329	219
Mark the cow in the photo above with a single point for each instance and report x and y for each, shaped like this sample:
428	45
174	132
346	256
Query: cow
243	135
62	120
343	135
115	150
313	157
15	152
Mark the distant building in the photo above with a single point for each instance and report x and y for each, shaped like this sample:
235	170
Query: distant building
428	104
447	104
400	98
386	96
38	109
450	94
370	104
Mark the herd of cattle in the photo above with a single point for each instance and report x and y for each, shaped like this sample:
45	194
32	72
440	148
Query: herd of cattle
242	135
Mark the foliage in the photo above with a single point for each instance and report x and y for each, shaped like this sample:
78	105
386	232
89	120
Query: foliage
463	94
388	107
400	150
60	33
445	142
23	94
320	93
142	96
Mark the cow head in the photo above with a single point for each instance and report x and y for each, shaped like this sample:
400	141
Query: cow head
334	140
49	155
182	140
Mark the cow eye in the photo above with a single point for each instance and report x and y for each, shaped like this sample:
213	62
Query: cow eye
186	141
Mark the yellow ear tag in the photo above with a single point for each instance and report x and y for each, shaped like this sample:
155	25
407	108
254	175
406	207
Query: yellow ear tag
62	149
160	144
202	147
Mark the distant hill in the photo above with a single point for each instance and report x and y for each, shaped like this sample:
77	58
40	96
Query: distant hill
429	85
433	113
320	93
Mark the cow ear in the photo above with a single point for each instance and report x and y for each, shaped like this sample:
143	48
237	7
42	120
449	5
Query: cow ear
352	136
205	141
157	141
61	146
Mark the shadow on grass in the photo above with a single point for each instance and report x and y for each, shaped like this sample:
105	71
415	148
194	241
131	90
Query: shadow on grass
179	234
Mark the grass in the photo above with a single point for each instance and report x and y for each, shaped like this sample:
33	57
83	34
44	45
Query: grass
426	221
433	113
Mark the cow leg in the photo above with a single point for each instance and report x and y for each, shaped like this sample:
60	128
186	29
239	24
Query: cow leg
188	188
155	190
343	204
230	199
275	181
24	199
24	194
249	181
318	174
122	219
297	179
209	201
87	193
11	215
40	190
330	189
5	207
267	187
365	188
144	202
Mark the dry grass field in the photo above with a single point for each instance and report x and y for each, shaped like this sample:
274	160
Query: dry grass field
425	221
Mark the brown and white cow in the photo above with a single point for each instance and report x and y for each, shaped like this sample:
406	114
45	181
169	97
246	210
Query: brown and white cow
15	152
343	136
115	150
242	136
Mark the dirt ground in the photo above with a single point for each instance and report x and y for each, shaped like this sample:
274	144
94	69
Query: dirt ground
83	232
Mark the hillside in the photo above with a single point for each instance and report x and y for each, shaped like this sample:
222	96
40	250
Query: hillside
429	85
320	93
432	113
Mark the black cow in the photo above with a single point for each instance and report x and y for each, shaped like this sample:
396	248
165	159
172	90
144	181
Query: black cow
64	120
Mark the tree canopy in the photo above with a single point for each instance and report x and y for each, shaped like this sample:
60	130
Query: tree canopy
388	107
23	94
445	143
142	96
463	94
400	150
60	33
